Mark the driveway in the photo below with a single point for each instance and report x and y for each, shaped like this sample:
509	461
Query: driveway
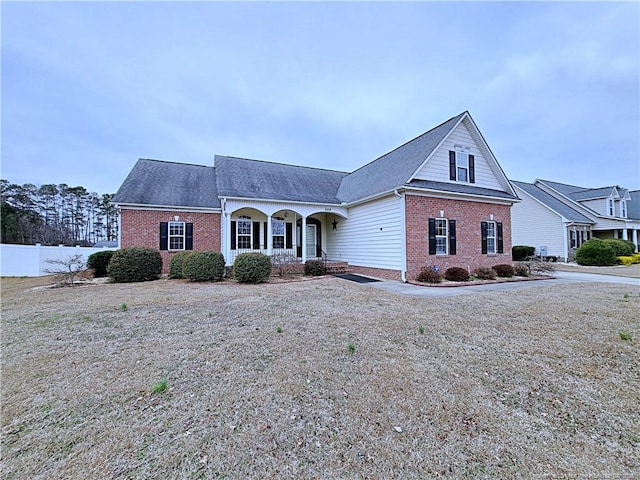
561	278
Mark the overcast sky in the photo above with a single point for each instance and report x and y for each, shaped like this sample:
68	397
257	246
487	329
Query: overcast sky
88	88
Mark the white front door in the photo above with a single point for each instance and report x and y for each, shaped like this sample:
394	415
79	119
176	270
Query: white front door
311	241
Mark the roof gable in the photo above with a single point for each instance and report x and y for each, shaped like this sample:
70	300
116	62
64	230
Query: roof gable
162	183
552	203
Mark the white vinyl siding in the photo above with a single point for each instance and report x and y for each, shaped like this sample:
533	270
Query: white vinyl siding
535	225
371	236
437	168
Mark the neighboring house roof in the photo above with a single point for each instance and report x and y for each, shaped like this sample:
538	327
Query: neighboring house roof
633	205
241	177
106	243
581	193
395	168
156	182
553	203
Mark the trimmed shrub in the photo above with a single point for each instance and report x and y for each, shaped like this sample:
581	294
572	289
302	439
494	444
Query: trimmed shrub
314	268
207	266
252	268
621	247
457	274
596	252
429	275
99	262
629	259
521	270
135	264
521	252
504	270
177	263
485	273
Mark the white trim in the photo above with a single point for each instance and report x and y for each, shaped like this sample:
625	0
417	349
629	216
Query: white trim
460	196
166	208
286	202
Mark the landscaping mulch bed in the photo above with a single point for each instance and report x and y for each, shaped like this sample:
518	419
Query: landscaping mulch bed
318	379
472	282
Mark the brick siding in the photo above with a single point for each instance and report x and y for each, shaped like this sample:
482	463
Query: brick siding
468	216
384	273
141	228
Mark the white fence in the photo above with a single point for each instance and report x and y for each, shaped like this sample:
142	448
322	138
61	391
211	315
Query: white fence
31	260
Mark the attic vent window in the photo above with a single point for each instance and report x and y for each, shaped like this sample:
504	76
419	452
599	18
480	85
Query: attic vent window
461	167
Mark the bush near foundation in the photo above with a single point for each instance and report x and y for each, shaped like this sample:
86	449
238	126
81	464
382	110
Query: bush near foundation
485	273
629	259
504	270
252	268
206	266
521	270
135	264
596	252
457	274
521	252
621	247
314	268
177	264
99	262
429	275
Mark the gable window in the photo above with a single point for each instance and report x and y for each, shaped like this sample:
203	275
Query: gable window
278	231
610	201
176	236
492	239
442	236
623	209
461	167
243	231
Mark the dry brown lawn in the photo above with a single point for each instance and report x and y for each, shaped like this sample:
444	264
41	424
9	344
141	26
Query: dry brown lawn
534	383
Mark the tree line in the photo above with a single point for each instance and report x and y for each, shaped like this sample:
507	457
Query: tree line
55	215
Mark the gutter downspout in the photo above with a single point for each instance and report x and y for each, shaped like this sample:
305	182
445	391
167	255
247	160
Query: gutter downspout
403	243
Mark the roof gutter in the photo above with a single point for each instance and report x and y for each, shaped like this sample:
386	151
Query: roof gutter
182	208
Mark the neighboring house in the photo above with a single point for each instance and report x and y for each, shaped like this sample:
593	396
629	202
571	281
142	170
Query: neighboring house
557	218
440	199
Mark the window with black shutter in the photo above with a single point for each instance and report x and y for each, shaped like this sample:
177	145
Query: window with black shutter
500	239
483	233
164	235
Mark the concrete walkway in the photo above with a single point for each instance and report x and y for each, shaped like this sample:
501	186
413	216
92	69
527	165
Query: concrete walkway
561	278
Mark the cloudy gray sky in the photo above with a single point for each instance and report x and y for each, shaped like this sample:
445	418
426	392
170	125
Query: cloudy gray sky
87	88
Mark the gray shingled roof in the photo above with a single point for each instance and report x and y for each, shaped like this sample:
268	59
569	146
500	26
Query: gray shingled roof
633	206
156	182
553	203
579	193
241	177
395	168
460	188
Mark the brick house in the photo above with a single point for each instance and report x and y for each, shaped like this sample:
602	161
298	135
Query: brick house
440	199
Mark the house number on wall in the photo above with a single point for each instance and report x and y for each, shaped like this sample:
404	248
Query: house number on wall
328	209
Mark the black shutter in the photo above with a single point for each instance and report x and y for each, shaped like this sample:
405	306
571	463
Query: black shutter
472	169
233	235
500	241
289	236
432	236
484	231
264	235
452	165
188	238
452	237
164	235
256	235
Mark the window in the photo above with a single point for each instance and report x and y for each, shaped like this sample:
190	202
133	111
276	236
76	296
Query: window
176	235
611	207
278	230
623	209
442	236
461	167
491	238
243	228
574	241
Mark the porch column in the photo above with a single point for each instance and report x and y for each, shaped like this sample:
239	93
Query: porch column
226	238
269	245
304	238
634	238
625	235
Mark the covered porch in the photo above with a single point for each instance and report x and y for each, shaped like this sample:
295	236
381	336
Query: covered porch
288	233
